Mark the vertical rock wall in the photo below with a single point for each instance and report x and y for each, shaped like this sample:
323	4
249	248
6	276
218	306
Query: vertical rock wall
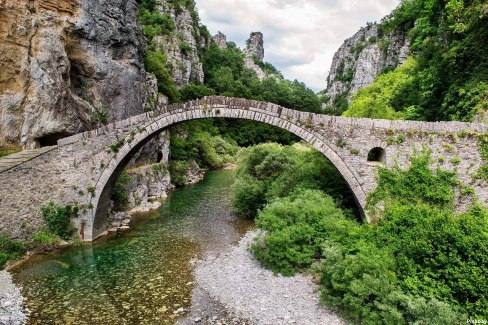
183	44
65	65
361	59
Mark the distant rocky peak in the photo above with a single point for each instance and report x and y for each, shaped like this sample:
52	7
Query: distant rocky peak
255	46
221	40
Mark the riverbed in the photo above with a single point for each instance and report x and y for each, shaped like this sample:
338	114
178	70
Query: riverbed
145	275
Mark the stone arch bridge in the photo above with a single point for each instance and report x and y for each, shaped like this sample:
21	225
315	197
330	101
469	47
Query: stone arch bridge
82	168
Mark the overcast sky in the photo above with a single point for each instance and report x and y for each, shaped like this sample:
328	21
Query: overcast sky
300	36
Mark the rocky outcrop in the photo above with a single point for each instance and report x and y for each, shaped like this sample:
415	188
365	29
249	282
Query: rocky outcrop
361	59
221	40
255	46
254	52
66	66
183	44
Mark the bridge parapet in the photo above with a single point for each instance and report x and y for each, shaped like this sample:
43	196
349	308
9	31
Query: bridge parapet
307	118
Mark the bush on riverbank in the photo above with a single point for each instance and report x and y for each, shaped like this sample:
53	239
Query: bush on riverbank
45	241
198	142
421	263
10	250
58	219
297	226
268	171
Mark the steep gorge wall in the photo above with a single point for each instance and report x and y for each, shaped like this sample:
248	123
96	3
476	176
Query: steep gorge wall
360	60
182	46
67	64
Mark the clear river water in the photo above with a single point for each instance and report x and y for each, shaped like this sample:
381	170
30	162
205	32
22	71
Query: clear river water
142	276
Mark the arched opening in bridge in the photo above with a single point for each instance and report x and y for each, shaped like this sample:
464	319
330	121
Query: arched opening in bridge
230	116
377	154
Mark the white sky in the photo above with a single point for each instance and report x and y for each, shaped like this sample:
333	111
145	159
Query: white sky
300	36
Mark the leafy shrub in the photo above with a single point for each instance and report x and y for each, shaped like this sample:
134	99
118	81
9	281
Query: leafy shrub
388	97
58	219
416	185
10	250
156	64
185	48
268	171
178	171
44	240
120	194
296	227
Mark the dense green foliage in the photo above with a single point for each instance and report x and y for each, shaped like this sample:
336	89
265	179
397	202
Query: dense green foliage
120	194
450	47
200	143
420	263
156	64
389	97
297	226
417	185
10	250
58	219
269	171
153	22
44	240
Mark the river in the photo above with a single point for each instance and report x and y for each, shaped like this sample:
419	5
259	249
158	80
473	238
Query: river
142	276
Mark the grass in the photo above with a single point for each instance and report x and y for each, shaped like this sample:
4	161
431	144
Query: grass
8	150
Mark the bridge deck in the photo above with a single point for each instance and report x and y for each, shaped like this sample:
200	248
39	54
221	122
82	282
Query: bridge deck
15	159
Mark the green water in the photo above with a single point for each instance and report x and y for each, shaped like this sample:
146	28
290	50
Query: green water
142	276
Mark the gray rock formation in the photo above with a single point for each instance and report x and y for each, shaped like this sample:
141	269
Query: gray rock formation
255	46
255	51
361	59
65	64
221	40
182	45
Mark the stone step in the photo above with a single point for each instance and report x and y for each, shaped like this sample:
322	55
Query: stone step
15	159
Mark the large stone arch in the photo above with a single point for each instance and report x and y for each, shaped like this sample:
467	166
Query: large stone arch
94	224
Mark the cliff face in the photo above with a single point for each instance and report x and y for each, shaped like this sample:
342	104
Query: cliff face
182	46
67	65
361	59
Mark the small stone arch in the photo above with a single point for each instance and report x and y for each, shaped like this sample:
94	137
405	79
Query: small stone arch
95	226
377	155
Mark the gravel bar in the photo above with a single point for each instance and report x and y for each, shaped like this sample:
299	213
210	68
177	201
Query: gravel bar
10	301
238	282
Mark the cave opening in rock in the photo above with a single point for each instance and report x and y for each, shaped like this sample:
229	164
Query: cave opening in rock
159	157
51	139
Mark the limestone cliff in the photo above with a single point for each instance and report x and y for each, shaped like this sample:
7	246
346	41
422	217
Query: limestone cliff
66	66
183	45
360	60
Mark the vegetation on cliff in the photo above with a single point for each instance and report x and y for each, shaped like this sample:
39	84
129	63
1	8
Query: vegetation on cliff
421	262
449	80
